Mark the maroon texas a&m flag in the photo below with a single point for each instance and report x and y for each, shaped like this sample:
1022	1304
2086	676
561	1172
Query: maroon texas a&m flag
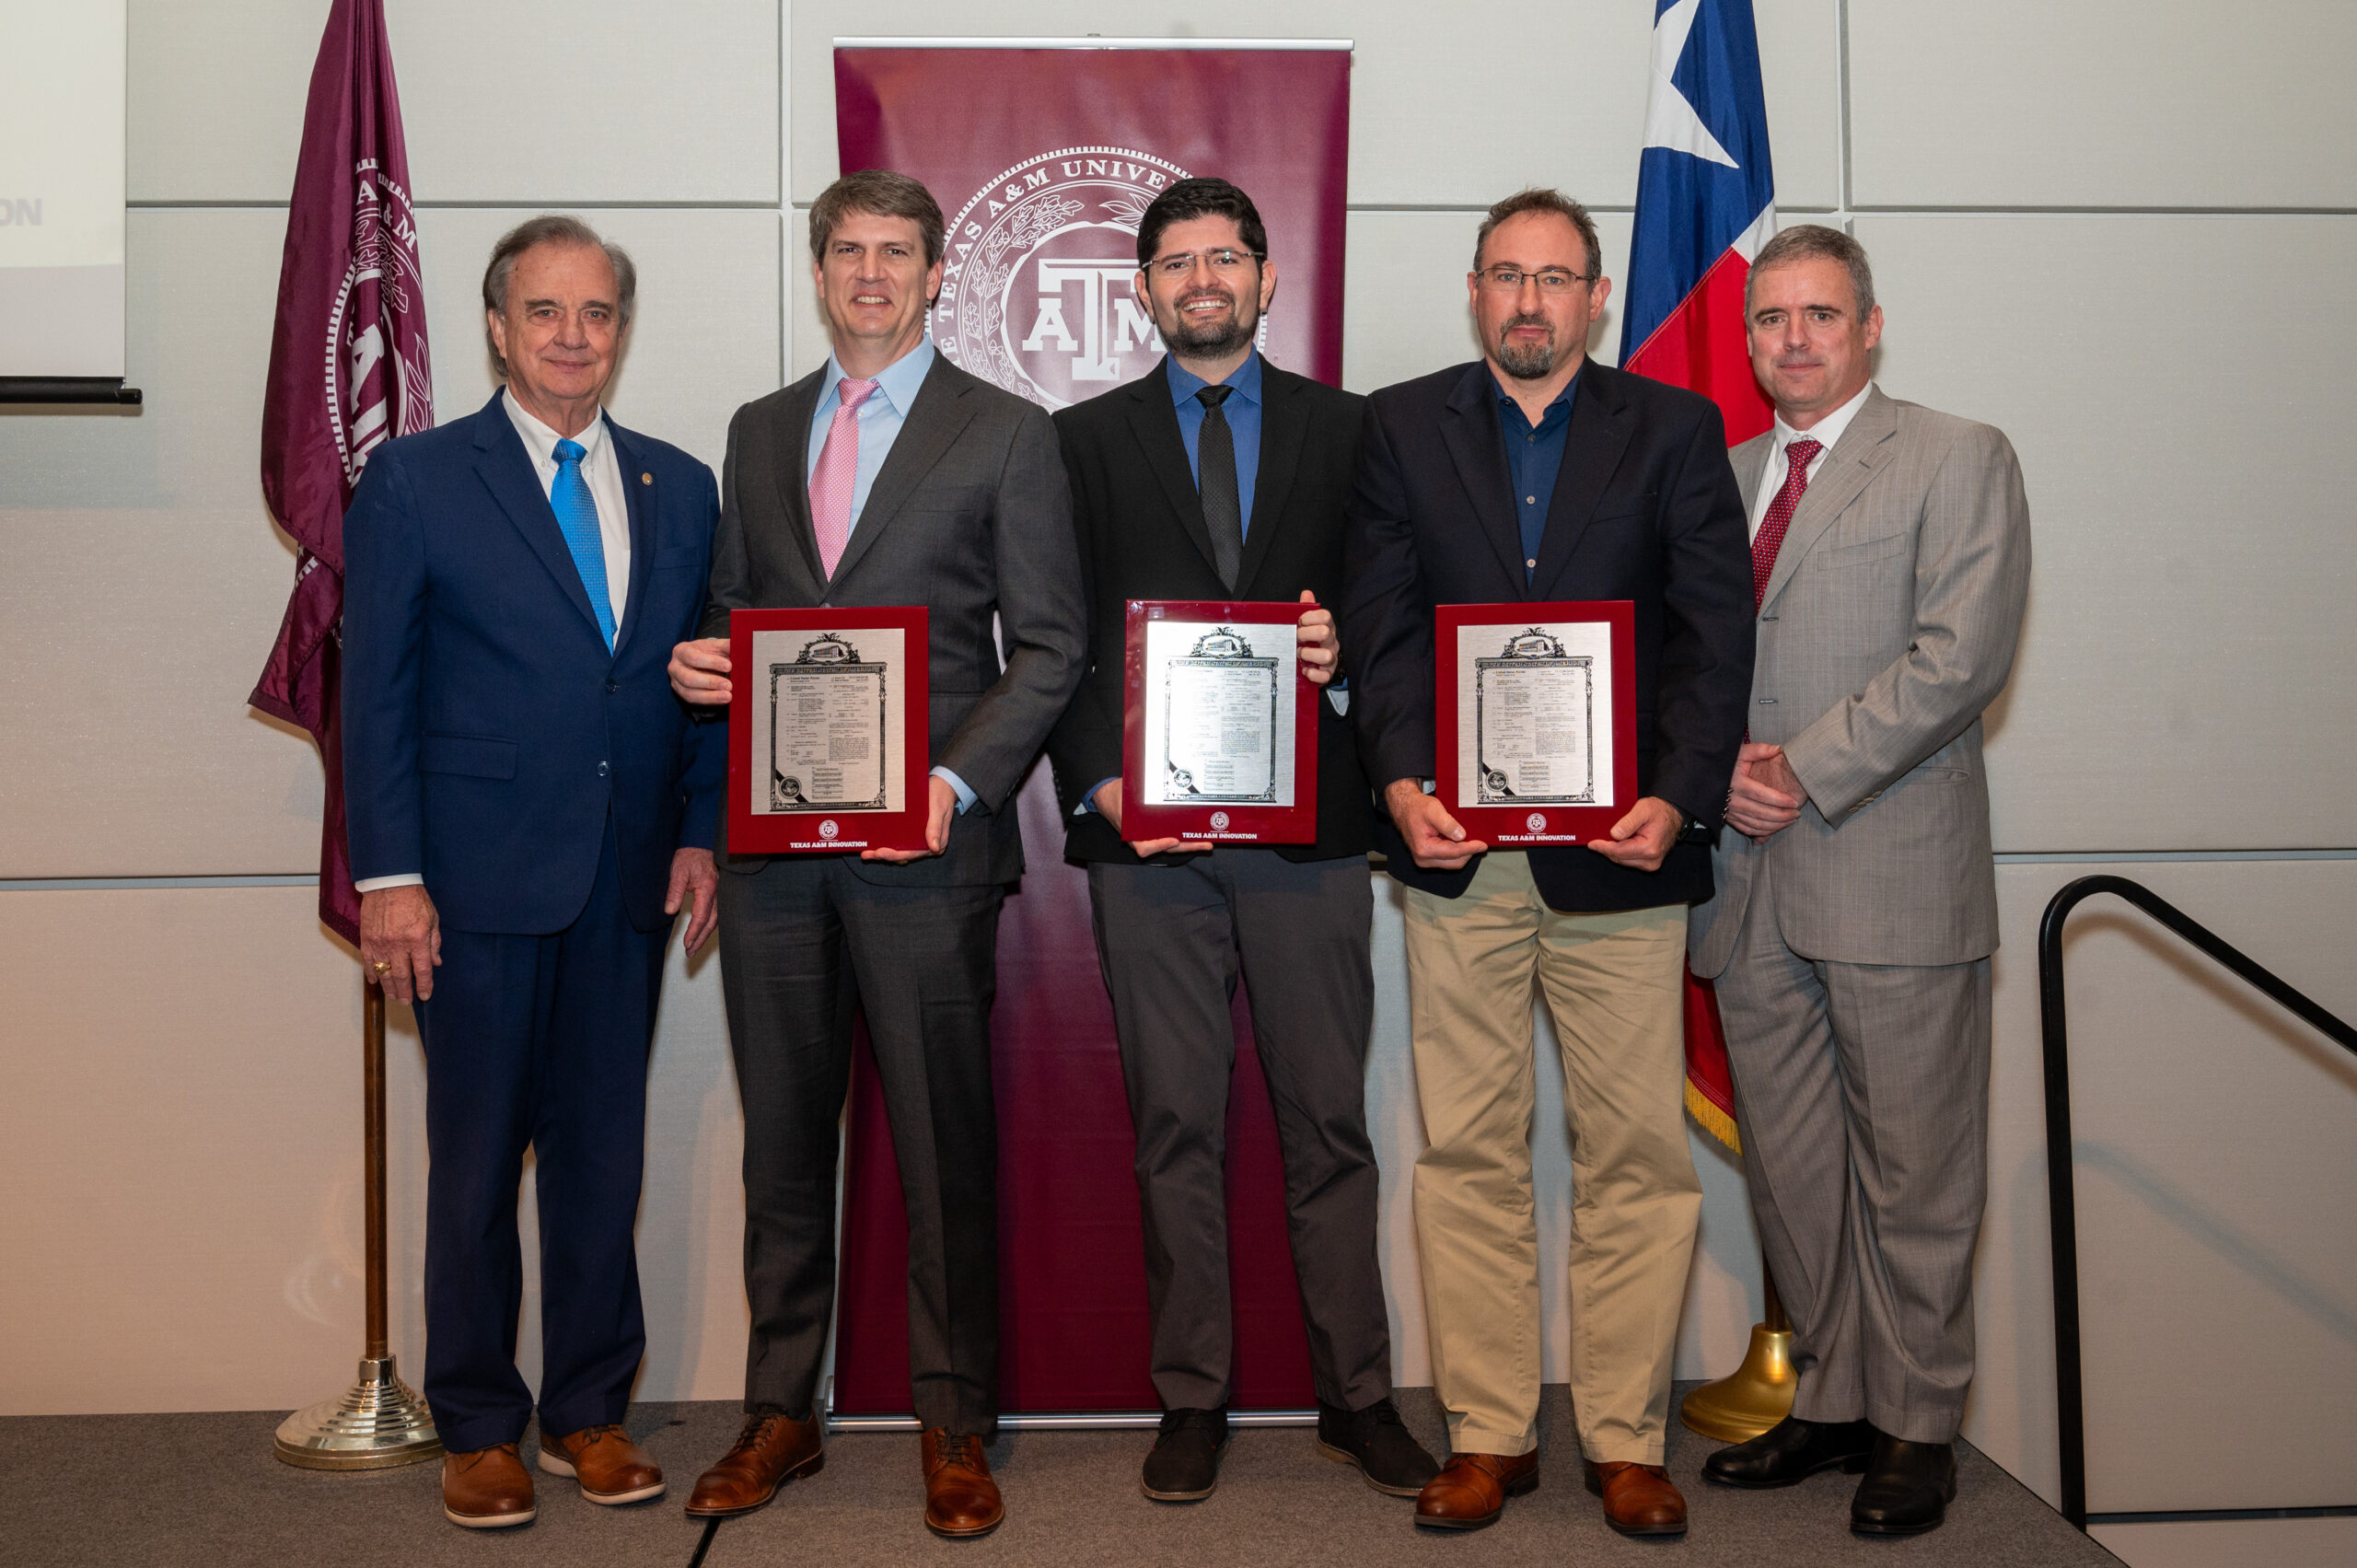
348	371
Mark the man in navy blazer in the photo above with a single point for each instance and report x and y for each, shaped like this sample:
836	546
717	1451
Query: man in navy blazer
528	807
1531	475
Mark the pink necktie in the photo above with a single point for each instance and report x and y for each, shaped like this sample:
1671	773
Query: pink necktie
1797	457
837	472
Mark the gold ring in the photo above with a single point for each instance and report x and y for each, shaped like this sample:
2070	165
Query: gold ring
380	966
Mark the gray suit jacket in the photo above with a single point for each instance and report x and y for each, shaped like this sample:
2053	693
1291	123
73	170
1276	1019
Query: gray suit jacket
970	516
1888	624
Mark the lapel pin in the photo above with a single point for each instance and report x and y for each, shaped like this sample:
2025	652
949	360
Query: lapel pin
646	479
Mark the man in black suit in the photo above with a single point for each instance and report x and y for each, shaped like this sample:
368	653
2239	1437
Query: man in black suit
1217	476
891	477
1532	474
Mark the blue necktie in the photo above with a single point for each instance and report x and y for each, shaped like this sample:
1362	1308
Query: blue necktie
576	513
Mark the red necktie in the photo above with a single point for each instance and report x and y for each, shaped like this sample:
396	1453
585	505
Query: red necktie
1764	544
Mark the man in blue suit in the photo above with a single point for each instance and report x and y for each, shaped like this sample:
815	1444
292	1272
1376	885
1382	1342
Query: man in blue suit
529	808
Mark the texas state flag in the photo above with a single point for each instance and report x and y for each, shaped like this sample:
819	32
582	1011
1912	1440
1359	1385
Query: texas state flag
1706	202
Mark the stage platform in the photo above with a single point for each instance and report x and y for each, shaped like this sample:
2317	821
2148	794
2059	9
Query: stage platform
203	1491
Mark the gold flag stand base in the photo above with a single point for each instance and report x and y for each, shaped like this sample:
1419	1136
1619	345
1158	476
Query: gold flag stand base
1752	1397
1757	1395
378	1422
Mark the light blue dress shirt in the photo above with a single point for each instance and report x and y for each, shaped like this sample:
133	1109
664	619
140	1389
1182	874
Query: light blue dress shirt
880	418
1243	411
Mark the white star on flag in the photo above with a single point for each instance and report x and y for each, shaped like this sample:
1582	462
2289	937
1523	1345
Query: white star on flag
1670	119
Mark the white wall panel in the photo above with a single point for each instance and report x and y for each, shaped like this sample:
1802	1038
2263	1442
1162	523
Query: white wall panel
141	585
502	101
2208	1543
2108	103
2179	402
2216	1169
1449	107
185	1143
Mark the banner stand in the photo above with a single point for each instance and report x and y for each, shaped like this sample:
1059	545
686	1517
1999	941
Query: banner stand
379	1422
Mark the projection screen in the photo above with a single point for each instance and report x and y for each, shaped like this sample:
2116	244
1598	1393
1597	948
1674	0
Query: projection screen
62	190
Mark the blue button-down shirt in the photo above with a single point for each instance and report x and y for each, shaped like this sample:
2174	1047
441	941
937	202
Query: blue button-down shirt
880	418
1243	411
1534	456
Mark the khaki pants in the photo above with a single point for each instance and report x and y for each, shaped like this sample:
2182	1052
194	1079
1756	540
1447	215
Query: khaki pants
1612	985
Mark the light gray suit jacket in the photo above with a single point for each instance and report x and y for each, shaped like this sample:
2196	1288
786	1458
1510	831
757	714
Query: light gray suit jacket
971	517
1888	625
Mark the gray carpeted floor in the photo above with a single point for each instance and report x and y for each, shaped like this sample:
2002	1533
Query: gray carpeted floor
160	1492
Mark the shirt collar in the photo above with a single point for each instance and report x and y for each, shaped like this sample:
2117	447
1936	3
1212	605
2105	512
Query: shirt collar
540	440
1829	429
1245	378
897	383
1558	409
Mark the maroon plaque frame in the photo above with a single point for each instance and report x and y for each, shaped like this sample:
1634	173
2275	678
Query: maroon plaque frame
1523	826
1225	822
815	831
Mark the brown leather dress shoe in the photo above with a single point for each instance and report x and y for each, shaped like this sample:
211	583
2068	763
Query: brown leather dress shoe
960	1498
487	1490
610	1467
771	1451
1639	1500
1471	1490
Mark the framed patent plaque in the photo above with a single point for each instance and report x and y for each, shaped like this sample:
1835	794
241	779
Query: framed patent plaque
1219	726
827	746
1536	738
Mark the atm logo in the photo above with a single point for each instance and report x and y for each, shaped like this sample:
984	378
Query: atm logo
1036	289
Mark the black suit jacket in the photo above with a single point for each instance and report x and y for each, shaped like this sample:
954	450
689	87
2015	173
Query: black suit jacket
1646	509
1139	523
969	518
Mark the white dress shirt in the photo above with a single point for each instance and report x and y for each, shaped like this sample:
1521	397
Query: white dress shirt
603	470
1828	430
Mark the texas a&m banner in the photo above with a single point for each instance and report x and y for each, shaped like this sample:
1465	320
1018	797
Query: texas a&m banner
1044	155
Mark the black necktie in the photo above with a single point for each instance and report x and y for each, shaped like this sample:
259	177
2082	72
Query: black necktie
1215	482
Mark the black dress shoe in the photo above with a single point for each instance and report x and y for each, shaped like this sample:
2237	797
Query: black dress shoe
1790	1451
1907	1488
1184	1466
1376	1441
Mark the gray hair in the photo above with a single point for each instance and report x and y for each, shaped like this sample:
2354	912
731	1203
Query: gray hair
550	229
1542	199
1805	241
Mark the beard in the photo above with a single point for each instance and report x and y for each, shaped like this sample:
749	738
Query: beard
1214	337
1526	362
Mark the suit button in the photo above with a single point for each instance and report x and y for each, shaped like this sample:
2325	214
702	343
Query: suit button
601	769
612	686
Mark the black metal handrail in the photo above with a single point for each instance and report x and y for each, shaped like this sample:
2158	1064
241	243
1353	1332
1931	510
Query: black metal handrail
2062	1200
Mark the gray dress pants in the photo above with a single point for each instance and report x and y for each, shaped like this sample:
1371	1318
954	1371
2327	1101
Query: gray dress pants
1862	1092
1173	942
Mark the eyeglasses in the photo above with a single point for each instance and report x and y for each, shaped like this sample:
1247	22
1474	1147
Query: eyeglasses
1224	263
1551	280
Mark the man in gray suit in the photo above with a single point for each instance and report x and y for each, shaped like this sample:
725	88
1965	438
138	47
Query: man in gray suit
1856	905
889	478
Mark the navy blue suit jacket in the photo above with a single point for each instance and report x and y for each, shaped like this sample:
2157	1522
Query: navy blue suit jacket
488	734
1645	508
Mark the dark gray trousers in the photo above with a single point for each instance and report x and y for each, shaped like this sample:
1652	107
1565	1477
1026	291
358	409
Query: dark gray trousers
1173	941
804	940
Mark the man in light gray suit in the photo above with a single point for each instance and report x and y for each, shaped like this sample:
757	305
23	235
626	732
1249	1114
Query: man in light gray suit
1856	901
889	478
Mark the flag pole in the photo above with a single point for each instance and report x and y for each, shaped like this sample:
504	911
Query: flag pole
380	1420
